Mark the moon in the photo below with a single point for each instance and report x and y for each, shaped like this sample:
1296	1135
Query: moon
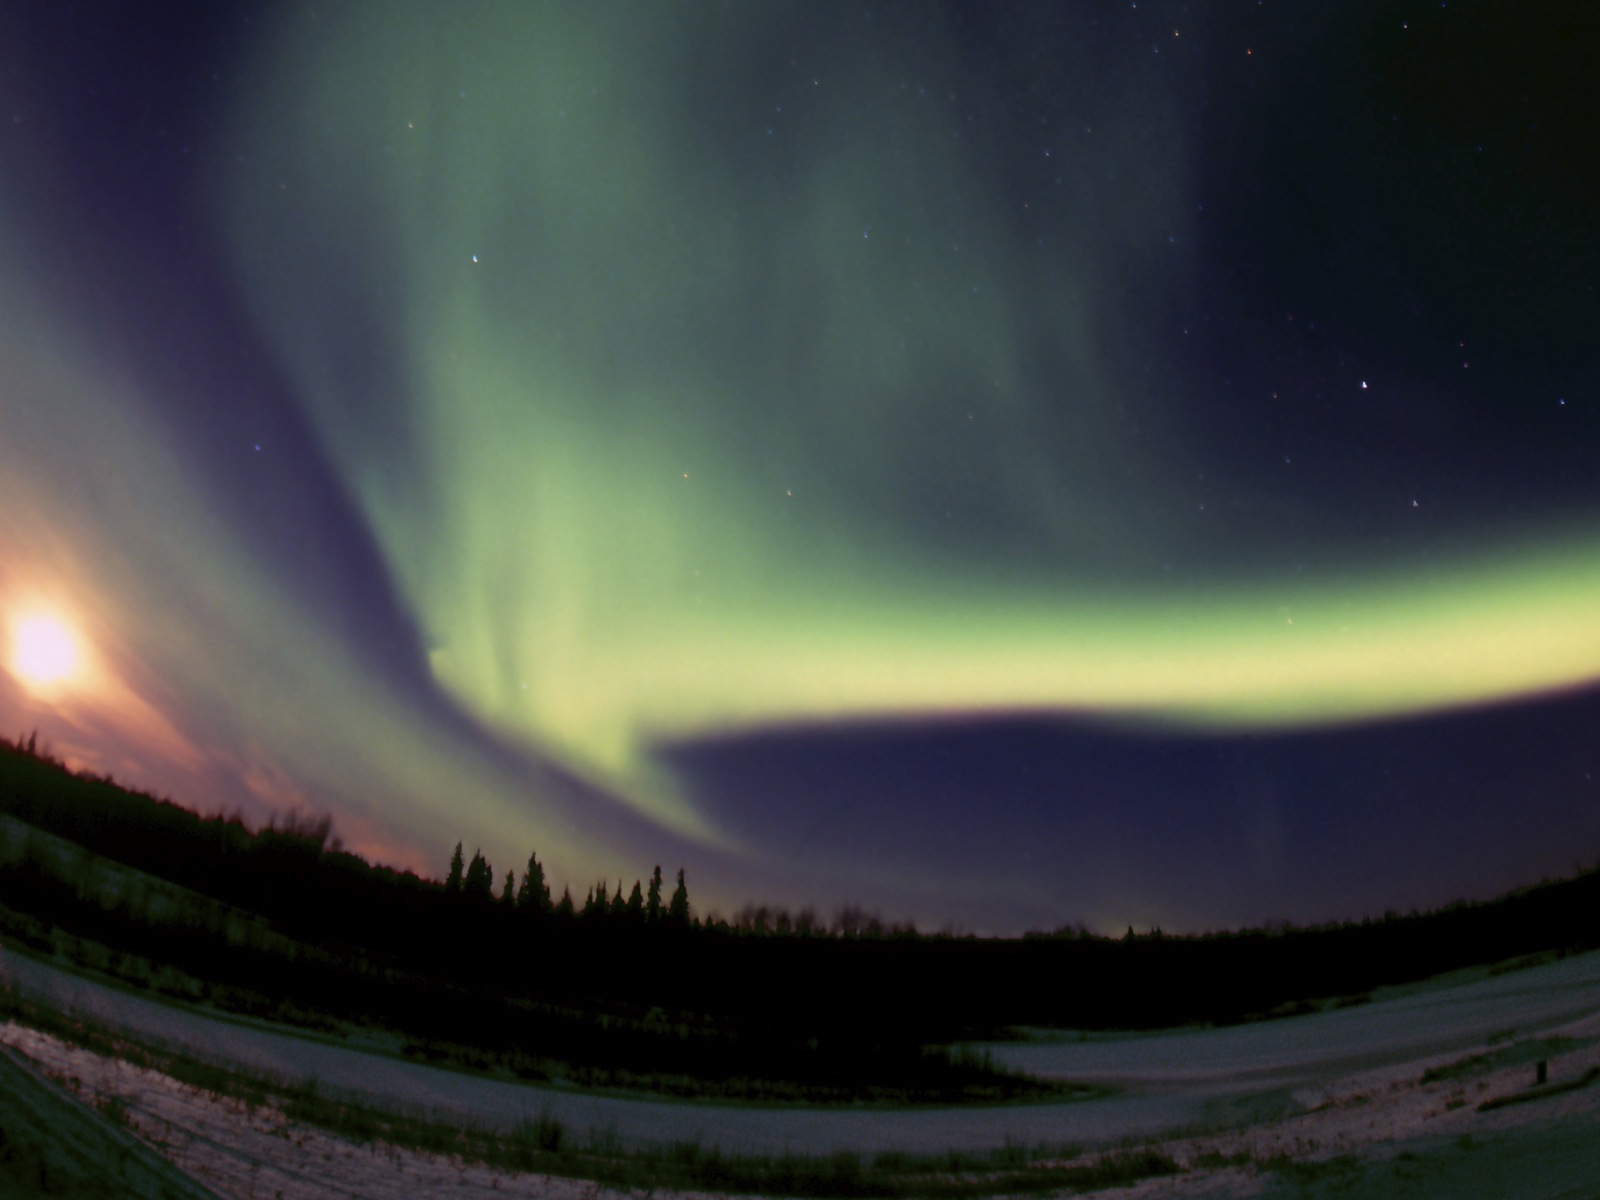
44	651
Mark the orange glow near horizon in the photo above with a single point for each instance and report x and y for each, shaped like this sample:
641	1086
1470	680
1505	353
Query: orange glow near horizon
67	672
44	652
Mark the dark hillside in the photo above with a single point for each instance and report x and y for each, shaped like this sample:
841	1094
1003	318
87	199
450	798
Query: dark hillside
635	966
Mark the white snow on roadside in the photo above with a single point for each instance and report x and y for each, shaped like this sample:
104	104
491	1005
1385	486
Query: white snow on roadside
1360	1105
240	1150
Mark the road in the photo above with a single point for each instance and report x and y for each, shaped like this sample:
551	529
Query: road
1166	1082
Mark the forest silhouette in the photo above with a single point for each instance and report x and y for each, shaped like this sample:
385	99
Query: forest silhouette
632	988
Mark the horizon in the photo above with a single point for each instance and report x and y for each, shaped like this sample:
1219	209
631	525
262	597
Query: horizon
843	917
996	466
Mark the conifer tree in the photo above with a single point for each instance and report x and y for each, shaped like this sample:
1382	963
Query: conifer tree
534	894
479	883
636	903
508	895
619	902
652	905
678	911
453	883
565	908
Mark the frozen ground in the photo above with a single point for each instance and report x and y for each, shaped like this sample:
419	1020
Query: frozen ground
1400	1025
1341	1094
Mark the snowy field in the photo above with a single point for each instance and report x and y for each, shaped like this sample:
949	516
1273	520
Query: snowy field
1401	1025
1344	1089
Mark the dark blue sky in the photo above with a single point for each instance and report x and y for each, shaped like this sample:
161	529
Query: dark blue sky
863	453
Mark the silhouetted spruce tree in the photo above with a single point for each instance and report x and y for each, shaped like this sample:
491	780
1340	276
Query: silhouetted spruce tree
652	905
453	883
508	896
479	884
619	902
678	910
534	894
565	908
636	903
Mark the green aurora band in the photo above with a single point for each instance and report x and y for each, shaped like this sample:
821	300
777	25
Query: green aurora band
666	433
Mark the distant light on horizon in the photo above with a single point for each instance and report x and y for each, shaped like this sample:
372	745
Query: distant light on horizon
44	651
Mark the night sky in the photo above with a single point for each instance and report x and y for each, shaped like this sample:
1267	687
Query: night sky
1000	464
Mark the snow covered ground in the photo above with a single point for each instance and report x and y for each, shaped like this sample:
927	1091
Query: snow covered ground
1336	1102
1400	1025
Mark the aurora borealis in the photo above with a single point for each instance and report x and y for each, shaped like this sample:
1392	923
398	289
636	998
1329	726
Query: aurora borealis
1002	464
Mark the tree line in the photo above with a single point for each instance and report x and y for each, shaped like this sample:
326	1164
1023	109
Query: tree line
635	950
474	883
